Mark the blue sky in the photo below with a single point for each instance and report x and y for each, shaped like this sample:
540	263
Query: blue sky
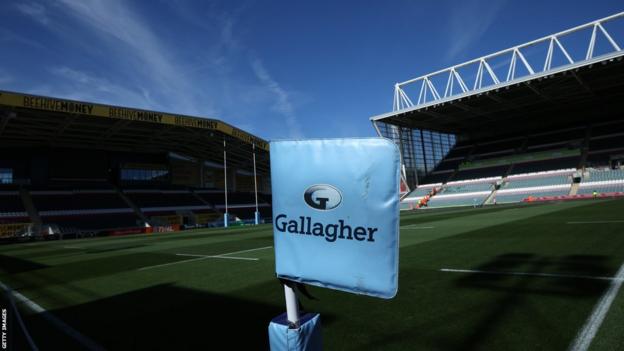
278	69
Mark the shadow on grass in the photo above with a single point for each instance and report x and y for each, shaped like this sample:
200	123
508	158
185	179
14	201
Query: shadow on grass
516	288
572	265
14	265
167	317
112	248
433	215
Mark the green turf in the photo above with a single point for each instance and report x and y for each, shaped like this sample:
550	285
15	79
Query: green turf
98	285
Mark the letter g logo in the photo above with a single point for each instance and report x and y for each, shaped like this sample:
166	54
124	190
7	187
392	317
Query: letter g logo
322	197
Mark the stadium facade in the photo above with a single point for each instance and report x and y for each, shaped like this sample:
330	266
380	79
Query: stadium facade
538	119
76	168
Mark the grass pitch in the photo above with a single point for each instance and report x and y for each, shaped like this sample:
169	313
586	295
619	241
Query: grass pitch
500	278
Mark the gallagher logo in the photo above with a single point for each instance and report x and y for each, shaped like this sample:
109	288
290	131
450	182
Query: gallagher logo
322	197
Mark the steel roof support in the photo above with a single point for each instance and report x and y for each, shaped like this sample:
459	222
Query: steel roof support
428	86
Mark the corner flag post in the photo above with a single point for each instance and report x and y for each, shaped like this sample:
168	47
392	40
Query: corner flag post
225	215
356	181
292	309
257	214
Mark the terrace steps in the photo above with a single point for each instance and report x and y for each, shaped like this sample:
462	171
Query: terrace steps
29	206
489	200
574	188
132	205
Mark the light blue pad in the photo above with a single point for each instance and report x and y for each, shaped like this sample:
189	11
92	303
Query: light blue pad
305	338
336	213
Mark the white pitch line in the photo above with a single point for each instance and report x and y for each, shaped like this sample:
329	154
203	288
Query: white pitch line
86	342
588	332
202	257
595	222
250	250
226	257
73	247
171	263
412	226
534	274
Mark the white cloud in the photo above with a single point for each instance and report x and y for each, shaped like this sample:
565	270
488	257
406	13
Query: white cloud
282	104
120	56
5	78
80	85
129	35
468	21
34	10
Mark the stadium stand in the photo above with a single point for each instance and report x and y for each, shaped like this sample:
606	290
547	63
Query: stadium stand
120	170
423	190
518	195
602	175
528	180
470	186
537	166
602	181
485	172
11	206
241	204
462	199
158	199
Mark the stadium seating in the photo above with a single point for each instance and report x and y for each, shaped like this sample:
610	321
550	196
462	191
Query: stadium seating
555	139
607	187
466	188
599	158
545	165
163	199
446	164
240	204
538	179
249	212
498	148
602	181
74	200
423	190
481	172
517	195
606	143
460	151
601	175
11	205
437	177
464	199
93	222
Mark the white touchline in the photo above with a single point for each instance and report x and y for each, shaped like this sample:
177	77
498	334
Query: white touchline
72	247
594	222
588	332
533	274
86	342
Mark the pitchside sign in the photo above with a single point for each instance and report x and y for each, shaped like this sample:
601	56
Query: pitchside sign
336	213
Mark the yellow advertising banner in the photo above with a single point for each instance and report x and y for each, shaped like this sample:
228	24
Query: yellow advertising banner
97	110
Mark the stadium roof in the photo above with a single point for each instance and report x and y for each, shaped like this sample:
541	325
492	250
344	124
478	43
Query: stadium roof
476	101
38	121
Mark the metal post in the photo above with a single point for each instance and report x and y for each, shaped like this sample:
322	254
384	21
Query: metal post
257	215
292	309
225	215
